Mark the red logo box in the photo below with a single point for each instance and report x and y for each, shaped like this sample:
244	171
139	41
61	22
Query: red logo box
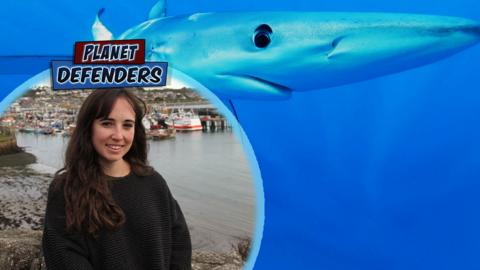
110	52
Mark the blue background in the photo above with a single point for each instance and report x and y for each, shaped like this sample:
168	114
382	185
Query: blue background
382	174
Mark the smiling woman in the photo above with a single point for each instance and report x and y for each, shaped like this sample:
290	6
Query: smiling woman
107	209
112	137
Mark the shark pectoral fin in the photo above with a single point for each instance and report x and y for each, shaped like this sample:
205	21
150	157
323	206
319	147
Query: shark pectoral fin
99	31
229	105
159	10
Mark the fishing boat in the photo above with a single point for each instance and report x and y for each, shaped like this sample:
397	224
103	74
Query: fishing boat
47	130
184	121
157	131
26	129
162	134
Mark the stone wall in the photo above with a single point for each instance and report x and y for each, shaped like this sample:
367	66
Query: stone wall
21	250
9	147
8	142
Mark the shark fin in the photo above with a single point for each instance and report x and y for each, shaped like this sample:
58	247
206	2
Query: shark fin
159	10
231	107
99	31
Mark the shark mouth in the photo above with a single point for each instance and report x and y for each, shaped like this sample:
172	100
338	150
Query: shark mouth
270	84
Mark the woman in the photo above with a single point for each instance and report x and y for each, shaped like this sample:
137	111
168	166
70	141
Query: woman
107	209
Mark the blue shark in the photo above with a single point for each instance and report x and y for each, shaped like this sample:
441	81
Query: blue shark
269	55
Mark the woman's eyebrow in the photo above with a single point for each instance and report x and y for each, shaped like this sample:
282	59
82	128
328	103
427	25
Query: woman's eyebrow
130	121
111	119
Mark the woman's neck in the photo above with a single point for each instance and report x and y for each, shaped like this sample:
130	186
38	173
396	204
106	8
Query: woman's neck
119	168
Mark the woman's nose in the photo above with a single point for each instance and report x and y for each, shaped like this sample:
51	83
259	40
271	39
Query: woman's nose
117	133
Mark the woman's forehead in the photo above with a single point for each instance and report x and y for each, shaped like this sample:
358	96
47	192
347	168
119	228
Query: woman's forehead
122	109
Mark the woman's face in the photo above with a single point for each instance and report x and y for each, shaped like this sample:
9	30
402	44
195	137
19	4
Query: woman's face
112	137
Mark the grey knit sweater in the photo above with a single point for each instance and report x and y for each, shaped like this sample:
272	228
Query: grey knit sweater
154	236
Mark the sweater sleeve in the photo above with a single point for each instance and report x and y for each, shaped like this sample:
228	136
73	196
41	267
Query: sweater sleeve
181	245
62	250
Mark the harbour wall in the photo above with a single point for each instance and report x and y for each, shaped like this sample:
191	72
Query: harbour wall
8	142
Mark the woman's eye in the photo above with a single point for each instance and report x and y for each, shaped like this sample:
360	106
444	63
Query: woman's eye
128	126
106	124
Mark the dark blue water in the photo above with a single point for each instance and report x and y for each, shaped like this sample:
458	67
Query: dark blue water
381	174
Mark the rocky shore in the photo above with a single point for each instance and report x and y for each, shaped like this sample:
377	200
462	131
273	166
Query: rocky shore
21	250
23	193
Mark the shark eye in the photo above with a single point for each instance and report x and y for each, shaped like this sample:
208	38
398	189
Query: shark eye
261	37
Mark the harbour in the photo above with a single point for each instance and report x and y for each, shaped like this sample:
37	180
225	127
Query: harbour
190	144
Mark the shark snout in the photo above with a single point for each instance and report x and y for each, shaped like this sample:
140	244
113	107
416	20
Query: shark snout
461	36
469	30
465	29
472	30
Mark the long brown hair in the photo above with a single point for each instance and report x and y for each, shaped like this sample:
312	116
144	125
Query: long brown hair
89	205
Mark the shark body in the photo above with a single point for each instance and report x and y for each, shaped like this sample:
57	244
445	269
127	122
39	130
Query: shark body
268	55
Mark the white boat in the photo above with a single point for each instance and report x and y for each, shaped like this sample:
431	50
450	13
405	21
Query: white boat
184	121
146	123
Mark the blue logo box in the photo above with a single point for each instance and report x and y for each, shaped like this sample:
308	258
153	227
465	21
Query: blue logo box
66	75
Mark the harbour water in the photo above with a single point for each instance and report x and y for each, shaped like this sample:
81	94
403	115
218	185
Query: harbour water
207	173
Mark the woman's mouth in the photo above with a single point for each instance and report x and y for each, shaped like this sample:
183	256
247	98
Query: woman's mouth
114	147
